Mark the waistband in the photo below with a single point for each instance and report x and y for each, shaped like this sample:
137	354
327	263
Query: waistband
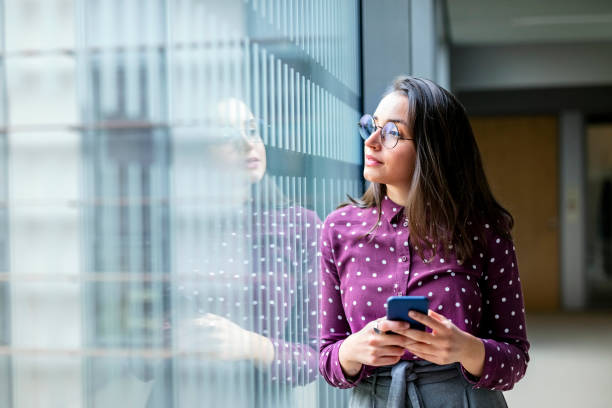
409	374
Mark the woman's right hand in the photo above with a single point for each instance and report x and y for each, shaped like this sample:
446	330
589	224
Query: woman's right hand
370	348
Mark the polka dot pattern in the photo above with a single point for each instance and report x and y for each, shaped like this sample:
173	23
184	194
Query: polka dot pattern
481	296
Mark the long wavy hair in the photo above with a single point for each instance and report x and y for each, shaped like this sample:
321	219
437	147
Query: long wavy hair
449	198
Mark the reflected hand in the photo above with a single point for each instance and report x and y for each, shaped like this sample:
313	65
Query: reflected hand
228	340
225	340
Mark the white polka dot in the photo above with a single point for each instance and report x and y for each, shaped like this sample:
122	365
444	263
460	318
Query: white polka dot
379	289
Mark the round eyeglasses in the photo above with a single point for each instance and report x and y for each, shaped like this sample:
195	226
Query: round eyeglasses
389	134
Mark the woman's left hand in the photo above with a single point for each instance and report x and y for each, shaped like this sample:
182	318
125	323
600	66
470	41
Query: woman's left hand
232	342
446	343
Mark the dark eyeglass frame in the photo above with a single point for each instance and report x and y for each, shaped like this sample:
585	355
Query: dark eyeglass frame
388	132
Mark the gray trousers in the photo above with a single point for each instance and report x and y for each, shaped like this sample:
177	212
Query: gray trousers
421	384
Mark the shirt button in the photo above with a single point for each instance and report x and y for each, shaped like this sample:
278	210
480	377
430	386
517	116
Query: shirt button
404	258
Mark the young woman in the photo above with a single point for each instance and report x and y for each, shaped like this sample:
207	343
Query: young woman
428	225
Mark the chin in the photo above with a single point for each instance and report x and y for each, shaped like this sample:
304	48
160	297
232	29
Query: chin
374	178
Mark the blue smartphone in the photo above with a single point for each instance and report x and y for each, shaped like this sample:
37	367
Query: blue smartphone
399	306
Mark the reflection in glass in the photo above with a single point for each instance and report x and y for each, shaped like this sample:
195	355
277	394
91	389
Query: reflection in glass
165	167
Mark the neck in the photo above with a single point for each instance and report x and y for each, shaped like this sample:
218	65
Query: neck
398	195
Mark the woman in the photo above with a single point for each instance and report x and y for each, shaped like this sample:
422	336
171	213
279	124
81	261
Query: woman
244	286
428	225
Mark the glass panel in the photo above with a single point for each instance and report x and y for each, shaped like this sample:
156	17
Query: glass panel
164	170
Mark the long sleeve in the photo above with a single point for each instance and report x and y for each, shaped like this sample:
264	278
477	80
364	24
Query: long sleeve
295	355
503	328
334	325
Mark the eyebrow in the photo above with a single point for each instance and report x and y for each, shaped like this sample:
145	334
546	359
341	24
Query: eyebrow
394	120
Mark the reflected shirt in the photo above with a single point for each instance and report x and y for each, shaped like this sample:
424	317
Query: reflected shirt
481	296
260	270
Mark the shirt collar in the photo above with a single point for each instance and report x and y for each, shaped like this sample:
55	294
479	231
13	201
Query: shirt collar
390	210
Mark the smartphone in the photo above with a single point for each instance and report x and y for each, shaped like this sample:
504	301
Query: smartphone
399	306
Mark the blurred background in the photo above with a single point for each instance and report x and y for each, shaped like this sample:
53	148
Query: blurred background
165	166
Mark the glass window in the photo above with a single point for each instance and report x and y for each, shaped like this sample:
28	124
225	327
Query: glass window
166	167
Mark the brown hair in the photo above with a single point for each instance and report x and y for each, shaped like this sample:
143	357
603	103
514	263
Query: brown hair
449	196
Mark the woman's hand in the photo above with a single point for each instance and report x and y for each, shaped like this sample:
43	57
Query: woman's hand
446	343
374	349
221	339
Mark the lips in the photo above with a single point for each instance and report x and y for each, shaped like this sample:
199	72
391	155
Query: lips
252	162
371	160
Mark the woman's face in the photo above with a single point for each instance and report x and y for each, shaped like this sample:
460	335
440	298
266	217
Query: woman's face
393	167
248	150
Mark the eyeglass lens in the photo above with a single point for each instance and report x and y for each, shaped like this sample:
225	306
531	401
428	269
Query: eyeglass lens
388	135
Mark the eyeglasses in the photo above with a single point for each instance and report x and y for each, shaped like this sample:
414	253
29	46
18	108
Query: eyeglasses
250	131
389	134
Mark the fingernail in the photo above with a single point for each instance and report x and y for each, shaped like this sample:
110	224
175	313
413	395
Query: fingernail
411	313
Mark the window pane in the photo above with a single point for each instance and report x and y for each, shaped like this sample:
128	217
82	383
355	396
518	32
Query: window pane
165	168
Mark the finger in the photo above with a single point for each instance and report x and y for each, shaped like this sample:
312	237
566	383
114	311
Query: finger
427	320
437	316
418	335
390	340
392	325
422	348
384	361
390	351
429	357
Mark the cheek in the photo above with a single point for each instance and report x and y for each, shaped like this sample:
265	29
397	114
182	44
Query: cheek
403	166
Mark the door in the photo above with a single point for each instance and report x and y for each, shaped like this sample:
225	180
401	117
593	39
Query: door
519	154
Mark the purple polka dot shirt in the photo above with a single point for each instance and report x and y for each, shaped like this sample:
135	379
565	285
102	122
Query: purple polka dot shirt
481	296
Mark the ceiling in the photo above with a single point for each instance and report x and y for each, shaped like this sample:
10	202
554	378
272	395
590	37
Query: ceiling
479	22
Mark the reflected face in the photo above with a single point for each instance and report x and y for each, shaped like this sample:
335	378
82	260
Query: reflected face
246	148
390	166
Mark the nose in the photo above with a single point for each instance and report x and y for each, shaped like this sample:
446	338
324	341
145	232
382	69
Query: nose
373	142
244	142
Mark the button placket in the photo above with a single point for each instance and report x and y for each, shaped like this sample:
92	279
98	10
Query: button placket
405	260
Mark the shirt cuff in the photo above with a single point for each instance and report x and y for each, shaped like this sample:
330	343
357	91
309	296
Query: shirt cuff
342	381
485	378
